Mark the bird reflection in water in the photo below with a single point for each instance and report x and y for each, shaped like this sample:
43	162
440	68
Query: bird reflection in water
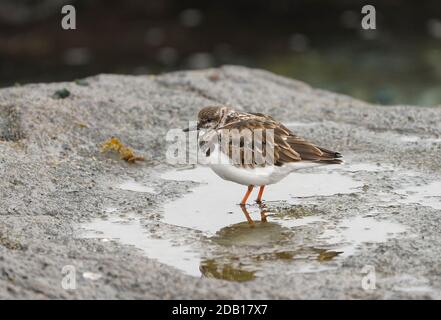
263	214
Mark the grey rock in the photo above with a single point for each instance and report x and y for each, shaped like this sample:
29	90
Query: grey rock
53	178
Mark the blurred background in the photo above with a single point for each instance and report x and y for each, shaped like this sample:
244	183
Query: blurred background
318	41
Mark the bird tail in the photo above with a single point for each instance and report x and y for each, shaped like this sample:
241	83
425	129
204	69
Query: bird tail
330	157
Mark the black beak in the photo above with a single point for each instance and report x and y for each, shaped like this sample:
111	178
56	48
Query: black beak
191	129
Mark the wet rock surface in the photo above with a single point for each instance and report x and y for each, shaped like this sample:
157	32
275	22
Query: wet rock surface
55	185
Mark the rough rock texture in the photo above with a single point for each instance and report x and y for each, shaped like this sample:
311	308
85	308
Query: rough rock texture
53	177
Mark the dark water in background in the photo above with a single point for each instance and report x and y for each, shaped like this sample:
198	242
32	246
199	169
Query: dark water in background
384	73
313	41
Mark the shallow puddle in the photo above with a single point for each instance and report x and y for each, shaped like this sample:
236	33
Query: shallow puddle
414	285
135	186
129	230
366	167
352	232
413	139
426	195
240	244
213	204
211	268
218	260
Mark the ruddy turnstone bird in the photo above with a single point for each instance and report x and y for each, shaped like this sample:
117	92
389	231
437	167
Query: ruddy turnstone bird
253	149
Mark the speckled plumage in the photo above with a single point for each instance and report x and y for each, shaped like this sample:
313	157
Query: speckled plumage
241	162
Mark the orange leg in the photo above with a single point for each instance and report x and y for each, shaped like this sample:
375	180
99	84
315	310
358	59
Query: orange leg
245	198
263	212
247	215
263	217
259	197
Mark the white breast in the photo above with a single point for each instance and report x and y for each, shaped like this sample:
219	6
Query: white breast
222	165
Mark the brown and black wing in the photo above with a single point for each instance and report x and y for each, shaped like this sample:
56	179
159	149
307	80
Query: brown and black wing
310	151
282	151
288	147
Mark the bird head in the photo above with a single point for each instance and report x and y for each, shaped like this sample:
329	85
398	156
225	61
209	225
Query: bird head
209	118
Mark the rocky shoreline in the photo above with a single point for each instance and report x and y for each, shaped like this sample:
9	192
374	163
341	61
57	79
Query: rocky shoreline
54	179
